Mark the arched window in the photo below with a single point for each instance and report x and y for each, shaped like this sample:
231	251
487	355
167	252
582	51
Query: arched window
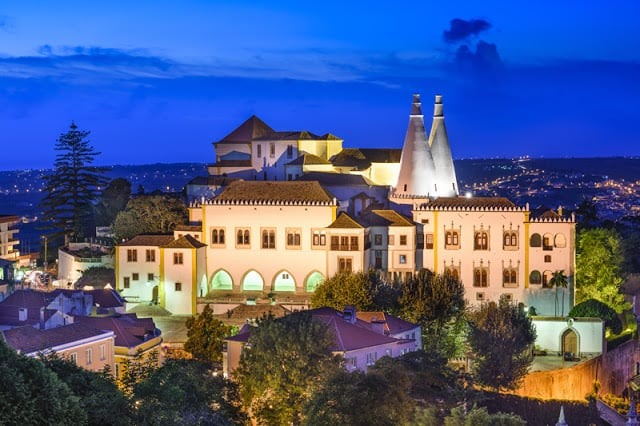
221	236
547	242
535	240
481	241
246	237
239	239
214	236
480	277
284	281
252	281
221	280
452	239
535	277
268	238
313	281
560	241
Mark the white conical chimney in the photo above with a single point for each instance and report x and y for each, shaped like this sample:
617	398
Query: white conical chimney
445	178
417	171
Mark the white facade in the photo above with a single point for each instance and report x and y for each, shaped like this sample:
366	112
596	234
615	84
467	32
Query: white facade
71	264
8	237
577	336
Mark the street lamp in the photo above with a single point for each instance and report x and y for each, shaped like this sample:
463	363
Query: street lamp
45	238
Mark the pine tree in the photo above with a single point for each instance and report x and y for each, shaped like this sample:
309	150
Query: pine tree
72	186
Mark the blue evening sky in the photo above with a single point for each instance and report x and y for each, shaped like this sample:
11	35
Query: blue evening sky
158	81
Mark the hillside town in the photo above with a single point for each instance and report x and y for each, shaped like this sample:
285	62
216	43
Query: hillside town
381	255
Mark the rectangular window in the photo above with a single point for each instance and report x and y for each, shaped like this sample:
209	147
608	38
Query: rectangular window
403	259
73	357
178	286
452	240
335	243
259	151
480	296
150	255
178	259
509	277
135	276
387	352
132	255
268	238
481	240
150	277
272	150
351	362
392	240
103	352
243	237
372	357
127	282
425	221
481	277
547	258
89	356
319	238
377	239
354	244
289	151
403	240
428	241
218	236
293	237
345	264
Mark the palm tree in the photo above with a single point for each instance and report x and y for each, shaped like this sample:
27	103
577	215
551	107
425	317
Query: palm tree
559	279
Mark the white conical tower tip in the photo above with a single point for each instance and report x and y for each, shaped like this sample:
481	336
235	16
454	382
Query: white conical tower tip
416	106
437	107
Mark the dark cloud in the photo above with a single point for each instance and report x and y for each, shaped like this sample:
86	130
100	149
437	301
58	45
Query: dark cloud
485	58
4	22
460	29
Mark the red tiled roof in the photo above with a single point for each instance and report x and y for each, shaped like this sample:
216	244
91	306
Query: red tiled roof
307	158
266	191
29	299
347	336
250	129
129	329
385	218
344	221
472	202
148	240
186	241
27	339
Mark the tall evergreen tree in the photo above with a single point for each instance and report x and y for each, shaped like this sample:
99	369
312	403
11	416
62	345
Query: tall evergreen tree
72	186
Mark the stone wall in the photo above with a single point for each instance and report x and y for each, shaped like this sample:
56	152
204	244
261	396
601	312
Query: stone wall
612	369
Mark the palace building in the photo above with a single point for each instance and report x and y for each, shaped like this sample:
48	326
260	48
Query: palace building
282	211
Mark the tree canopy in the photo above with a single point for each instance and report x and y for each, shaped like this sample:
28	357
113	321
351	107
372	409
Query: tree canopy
378	397
114	199
205	336
72	187
149	214
343	289
31	394
596	309
279	366
185	392
599	262
500	336
437	303
98	394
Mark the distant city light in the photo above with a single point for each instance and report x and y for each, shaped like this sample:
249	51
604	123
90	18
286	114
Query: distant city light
468	194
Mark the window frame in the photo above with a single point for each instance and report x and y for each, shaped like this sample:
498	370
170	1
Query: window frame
270	242
178	258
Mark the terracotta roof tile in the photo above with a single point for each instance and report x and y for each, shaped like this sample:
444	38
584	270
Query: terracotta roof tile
130	330
344	221
336	179
186	242
472	202
250	129
148	240
29	340
307	159
385	218
266	191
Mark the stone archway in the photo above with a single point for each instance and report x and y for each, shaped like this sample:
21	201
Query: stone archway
221	280
570	343
252	281
284	281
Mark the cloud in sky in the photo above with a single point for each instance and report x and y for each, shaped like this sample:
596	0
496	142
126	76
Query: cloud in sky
460	29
